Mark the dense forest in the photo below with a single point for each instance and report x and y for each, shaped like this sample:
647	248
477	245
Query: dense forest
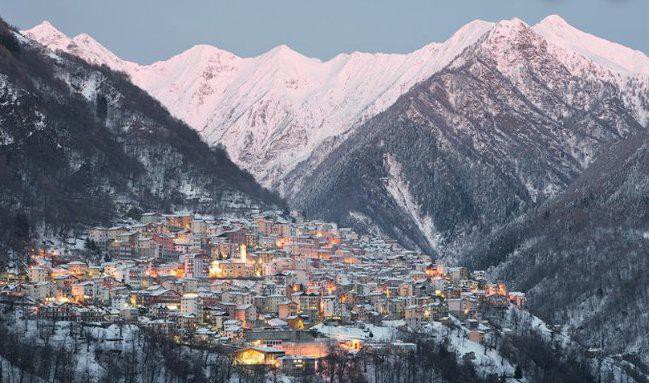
583	256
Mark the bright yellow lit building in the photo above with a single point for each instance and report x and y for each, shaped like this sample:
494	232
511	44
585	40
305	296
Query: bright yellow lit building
258	356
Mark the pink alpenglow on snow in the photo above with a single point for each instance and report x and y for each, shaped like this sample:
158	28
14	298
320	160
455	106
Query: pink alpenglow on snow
279	109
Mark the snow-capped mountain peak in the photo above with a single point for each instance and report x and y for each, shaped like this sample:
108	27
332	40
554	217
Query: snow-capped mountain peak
613	56
288	60
555	21
82	46
284	50
506	31
46	34
205	52
513	23
93	52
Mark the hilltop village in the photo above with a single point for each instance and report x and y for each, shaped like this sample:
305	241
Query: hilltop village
274	289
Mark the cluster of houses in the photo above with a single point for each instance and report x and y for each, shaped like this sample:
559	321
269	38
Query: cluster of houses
260	283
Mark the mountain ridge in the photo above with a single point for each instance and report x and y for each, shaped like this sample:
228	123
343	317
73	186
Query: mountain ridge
276	111
299	85
539	105
588	246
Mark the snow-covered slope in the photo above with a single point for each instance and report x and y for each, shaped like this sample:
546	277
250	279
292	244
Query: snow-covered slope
274	111
81	45
615	57
586	55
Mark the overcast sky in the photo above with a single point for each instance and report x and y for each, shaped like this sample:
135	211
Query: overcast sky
150	30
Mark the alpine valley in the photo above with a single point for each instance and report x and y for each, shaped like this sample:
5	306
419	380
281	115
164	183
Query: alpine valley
503	116
519	149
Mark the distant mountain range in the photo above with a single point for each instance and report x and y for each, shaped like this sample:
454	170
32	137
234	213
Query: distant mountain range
280	115
512	147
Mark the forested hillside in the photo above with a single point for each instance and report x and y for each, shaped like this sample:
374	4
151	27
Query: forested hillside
80	145
583	256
